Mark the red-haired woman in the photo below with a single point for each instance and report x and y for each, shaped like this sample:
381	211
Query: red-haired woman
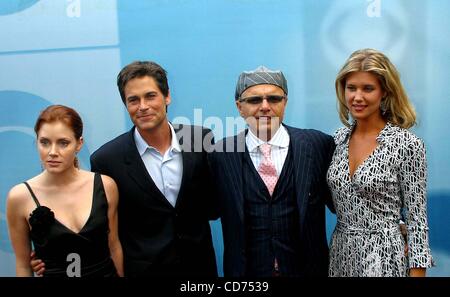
69	214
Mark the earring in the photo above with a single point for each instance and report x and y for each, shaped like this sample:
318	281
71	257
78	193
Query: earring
383	107
76	163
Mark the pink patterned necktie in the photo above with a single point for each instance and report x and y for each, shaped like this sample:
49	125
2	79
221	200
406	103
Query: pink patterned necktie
267	169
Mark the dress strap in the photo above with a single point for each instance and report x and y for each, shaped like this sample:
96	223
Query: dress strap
98	183
97	177
32	194
98	186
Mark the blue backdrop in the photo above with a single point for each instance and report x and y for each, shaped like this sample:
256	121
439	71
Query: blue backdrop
70	51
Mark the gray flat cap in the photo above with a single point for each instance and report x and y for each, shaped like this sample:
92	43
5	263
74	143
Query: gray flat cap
259	76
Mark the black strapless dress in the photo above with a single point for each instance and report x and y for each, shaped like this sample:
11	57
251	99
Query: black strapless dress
62	249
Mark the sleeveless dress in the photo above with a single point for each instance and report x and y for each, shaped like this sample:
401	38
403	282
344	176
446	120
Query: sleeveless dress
61	249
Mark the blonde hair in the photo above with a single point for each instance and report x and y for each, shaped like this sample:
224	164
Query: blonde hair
399	109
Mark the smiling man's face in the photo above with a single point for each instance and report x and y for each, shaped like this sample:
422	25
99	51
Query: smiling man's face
264	118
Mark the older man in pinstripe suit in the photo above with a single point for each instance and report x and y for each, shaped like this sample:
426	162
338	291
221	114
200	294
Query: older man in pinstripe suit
272	186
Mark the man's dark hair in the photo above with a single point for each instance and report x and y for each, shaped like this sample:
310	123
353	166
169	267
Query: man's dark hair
140	69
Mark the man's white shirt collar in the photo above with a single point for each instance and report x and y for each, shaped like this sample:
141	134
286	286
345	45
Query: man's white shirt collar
142	145
280	139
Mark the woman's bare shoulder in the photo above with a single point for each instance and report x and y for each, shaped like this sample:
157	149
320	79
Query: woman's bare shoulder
108	182
18	196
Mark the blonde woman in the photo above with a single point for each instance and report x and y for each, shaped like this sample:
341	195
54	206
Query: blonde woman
378	172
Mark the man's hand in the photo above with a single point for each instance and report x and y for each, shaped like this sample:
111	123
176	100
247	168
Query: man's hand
36	264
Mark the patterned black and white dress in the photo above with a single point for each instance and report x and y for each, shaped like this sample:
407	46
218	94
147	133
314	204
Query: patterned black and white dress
390	182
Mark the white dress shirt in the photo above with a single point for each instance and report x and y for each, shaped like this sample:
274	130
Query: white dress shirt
165	170
279	143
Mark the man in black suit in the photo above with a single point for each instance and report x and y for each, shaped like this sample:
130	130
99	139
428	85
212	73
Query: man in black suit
272	186
165	200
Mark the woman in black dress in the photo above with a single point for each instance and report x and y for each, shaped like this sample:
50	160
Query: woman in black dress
69	214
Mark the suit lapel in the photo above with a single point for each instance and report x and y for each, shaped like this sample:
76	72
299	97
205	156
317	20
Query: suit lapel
302	154
234	171
186	142
137	171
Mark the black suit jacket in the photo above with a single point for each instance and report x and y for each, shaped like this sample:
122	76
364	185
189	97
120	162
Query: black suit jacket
312	152
157	238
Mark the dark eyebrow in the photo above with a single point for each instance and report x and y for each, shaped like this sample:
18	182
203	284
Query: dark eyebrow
132	97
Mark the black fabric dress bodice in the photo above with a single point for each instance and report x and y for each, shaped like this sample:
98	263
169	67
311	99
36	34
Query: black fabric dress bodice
58	246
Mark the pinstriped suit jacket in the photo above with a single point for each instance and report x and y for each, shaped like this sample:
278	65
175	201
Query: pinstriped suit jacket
312	152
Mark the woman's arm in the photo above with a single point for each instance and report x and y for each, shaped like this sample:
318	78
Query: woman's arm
115	248
417	272
19	230
413	184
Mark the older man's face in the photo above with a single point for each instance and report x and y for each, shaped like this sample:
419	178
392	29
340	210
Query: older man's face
263	116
